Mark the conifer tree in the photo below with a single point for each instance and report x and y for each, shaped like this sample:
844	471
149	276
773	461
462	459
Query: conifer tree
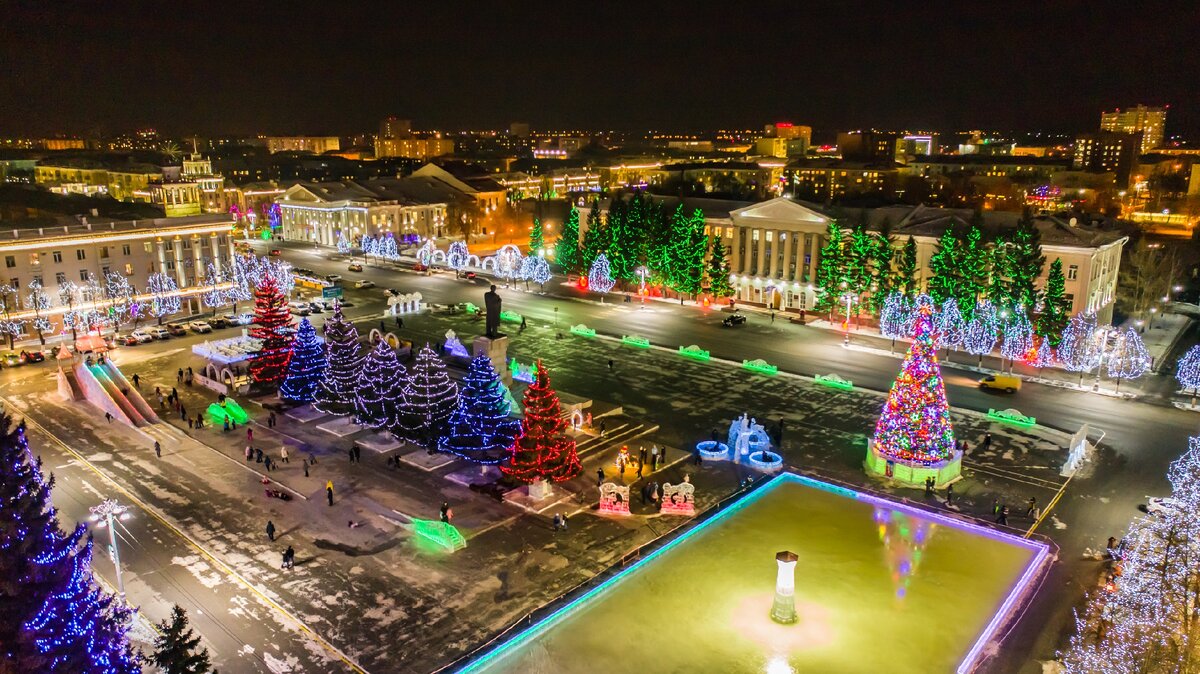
943	270
658	241
53	617
481	429
906	268
536	237
595	239
567	250
624	241
859	258
272	325
718	272
430	399
542	451
177	648
974	269
381	389
1025	261
690	256
883	276
339	388
1056	308
306	366
831	269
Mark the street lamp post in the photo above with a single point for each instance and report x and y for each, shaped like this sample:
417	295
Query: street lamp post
104	514
641	271
849	299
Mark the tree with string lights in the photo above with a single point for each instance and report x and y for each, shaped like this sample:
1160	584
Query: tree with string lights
718	271
1080	351
54	617
272	327
600	277
537	240
338	389
1018	335
895	320
542	451
164	292
429	399
566	251
39	301
1129	358
951	330
1187	372
306	366
480	429
982	330
1056	308
380	393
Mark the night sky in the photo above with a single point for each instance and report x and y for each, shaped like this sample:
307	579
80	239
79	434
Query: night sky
338	66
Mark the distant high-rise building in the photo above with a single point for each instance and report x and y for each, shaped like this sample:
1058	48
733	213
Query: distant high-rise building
519	129
313	144
1150	122
868	145
394	127
1107	152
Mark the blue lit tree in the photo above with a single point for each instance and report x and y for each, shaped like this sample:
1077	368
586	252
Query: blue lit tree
600	277
1018	335
983	330
480	428
949	324
339	388
53	617
306	367
1188	372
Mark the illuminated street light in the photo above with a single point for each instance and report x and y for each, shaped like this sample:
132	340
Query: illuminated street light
103	515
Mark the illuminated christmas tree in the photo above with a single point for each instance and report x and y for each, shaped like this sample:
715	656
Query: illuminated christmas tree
600	276
381	389
566	252
895	321
164	293
480	428
339	387
537	239
1188	372
54	617
430	399
306	366
272	325
718	271
542	451
915	425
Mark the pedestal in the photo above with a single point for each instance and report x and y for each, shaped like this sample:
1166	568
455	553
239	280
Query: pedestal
496	349
540	490
913	474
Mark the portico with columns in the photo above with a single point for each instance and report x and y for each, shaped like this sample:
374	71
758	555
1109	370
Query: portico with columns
774	249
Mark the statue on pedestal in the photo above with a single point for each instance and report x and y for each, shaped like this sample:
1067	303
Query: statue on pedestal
491	303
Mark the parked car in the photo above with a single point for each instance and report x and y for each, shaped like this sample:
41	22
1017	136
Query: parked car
32	356
333	278
219	322
354	266
128	340
299	308
1001	382
275	252
470	276
176	330
735	319
159	332
364	283
420	267
316	307
201	327
142	336
12	359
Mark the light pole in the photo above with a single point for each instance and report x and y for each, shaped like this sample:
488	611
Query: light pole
641	272
848	297
103	515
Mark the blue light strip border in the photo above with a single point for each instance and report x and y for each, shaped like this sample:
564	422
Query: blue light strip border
1041	552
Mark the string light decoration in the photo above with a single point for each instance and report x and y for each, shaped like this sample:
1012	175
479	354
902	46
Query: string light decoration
343	246
272	326
982	331
1187	372
306	366
387	248
915	425
1143	618
39	300
56	619
381	389
338	390
949	324
480	429
430	398
457	256
895	320
540	272
1043	354
1018	334
600	275
120	295
165	295
542	451
1079	350
1129	358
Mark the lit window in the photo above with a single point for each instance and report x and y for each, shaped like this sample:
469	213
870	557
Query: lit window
1072	272
128	269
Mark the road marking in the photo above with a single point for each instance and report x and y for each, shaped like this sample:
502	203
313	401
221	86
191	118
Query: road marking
229	571
1050	506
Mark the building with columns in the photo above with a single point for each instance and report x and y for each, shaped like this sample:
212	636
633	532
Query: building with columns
90	248
410	209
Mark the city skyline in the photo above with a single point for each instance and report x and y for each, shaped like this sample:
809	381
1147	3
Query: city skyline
274	70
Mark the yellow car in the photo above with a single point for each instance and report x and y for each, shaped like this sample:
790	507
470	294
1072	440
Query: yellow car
1001	382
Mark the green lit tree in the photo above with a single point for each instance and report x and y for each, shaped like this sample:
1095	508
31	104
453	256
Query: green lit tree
536	237
883	275
831	269
1025	261
566	252
624	242
906	268
177	648
718	271
974	270
689	245
943	269
595	239
859	258
658	242
1056	307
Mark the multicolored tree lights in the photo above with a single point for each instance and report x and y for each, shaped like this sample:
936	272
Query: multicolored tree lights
915	425
542	451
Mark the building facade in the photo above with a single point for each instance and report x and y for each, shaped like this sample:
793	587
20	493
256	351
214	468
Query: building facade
414	148
313	144
88	250
411	210
1107	152
1151	123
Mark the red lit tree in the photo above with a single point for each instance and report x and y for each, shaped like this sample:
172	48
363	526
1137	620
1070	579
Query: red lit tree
272	325
542	450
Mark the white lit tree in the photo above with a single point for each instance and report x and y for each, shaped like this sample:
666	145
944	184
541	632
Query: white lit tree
895	320
457	256
1188	372
39	301
1018	335
949	324
1080	351
120	295
982	331
1129	358
164	293
600	275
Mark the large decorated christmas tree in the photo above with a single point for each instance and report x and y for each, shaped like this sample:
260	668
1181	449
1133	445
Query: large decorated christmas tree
272	325
53	617
542	451
430	399
381	389
339	388
914	432
481	429
306	366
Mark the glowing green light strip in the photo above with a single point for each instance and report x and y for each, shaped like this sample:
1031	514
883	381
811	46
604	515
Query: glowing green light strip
583	330
694	354
1016	420
634	340
761	368
834	383
443	534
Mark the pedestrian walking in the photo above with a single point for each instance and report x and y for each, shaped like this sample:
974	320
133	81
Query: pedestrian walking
1032	506
249	452
642	454
179	376
949	494
772	316
662	457
157	449
639	470
305	468
564	522
603	423
611	364
382	327
357	453
289	557
929	486
444	513
987	441
329	491
267	463
284	455
258	457
523	326
1003	518
191	424
199	421
108	417
189	372
599	476
270	530
271	420
350	453
399	323
162	402
995	507
556	521
137	381
175	394
654	457
182	412
249	434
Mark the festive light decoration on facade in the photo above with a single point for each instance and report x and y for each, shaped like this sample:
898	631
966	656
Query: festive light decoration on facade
949	324
272	326
542	451
1079	350
915	424
380	392
896	318
457	256
1018	334
600	275
1129	358
165	293
430	398
56	619
982	330
306	366
480	428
